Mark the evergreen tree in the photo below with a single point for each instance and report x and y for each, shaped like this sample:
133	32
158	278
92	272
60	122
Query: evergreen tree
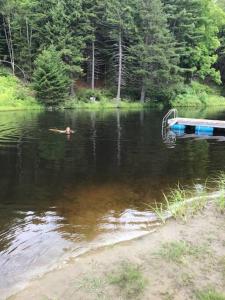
65	27
194	25
152	56
95	13
120	21
50	78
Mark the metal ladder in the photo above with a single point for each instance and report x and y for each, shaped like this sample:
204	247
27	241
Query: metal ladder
172	112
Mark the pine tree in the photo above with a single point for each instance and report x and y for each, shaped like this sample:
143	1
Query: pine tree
152	56
50	79
64	27
119	18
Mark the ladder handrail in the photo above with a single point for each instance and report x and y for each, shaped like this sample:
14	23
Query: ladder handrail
165	119
170	112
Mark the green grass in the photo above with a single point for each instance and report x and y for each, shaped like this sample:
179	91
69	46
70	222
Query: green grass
104	99
178	205
129	279
221	203
15	95
197	94
159	210
210	294
219	181
178	251
183	203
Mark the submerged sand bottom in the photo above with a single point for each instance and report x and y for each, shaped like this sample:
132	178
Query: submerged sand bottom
87	277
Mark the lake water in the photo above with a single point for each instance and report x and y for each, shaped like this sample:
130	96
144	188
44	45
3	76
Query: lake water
61	196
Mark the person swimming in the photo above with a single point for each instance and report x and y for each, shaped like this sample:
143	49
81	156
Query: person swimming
68	130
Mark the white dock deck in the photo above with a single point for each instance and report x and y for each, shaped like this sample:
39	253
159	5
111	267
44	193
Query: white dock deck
197	122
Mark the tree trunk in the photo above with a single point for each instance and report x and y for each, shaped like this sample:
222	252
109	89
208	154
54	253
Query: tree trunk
93	123
120	68
29	38
93	67
142	99
11	46
72	90
8	37
118	138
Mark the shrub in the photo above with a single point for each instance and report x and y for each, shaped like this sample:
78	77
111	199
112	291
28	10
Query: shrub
198	94
84	95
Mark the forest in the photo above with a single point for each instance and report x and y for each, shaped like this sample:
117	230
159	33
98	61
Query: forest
140	50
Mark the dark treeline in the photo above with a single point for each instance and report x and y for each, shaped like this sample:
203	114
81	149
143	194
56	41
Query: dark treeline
140	49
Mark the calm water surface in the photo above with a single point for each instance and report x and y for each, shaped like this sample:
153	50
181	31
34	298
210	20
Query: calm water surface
61	196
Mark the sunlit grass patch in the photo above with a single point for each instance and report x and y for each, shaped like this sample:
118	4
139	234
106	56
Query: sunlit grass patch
178	251
129	279
221	203
210	294
15	95
198	94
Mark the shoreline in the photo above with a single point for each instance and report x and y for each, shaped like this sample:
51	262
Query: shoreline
87	276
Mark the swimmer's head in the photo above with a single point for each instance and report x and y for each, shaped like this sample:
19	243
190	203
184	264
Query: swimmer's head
68	130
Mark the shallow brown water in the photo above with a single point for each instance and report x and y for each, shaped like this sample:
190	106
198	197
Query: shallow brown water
61	196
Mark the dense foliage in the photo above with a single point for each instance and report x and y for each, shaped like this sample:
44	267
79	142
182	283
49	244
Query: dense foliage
140	49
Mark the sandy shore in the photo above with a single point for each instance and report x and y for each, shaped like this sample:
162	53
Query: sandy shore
178	261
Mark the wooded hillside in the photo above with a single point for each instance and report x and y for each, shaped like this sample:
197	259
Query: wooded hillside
140	49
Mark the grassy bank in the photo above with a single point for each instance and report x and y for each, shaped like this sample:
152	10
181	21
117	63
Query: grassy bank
183	203
15	95
199	95
97	105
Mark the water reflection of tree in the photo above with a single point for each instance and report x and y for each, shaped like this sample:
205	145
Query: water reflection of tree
192	158
52	147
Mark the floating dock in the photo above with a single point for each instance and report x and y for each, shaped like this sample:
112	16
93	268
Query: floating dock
196	122
189	125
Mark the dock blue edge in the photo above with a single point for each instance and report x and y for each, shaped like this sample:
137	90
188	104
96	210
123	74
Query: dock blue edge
178	127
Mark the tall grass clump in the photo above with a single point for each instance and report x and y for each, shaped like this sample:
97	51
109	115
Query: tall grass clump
180	203
160	211
183	204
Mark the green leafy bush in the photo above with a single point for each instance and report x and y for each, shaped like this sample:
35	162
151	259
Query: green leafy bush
198	94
